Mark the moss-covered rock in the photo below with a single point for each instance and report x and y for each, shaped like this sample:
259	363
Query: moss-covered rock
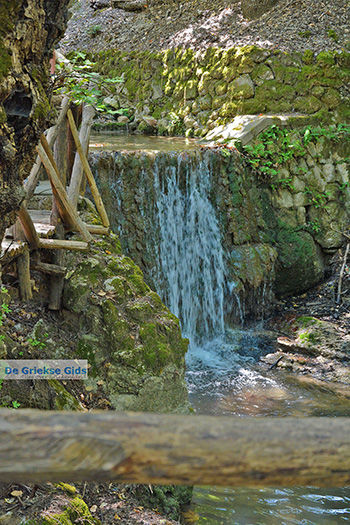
130	339
244	80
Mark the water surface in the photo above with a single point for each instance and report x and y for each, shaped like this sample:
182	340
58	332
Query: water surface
109	142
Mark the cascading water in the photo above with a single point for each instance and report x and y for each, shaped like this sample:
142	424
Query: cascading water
191	258
164	211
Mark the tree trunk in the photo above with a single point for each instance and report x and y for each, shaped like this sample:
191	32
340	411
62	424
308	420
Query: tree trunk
28	33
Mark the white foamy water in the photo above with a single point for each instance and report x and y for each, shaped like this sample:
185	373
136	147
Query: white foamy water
191	258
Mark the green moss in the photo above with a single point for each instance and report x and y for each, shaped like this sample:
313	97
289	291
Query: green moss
5	61
306	321
63	399
168	499
76	511
65	487
308	338
326	58
118	330
308	57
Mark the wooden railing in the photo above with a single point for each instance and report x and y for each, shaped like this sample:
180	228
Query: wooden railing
150	448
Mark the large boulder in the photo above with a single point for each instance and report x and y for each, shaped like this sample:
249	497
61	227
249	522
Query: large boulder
131	340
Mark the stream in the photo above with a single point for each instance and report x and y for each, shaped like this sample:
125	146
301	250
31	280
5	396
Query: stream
223	372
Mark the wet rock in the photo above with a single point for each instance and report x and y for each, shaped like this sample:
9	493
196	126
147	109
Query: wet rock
300	262
150	121
131	340
123	119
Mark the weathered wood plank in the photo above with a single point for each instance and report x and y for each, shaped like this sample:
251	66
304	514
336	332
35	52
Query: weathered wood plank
28	227
97	229
68	213
23	269
57	281
150	448
52	133
83	141
50	268
58	244
93	187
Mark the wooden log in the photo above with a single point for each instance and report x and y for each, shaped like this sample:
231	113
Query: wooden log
173	449
91	180
69	215
33	178
50	268
57	244
28	227
23	269
84	137
97	229
57	281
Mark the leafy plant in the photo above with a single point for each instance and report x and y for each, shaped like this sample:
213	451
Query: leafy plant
317	199
338	133
4	309
333	35
276	146
81	83
36	343
305	34
313	226
94	30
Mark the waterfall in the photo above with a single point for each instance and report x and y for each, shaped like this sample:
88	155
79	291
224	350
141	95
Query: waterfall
191	270
163	205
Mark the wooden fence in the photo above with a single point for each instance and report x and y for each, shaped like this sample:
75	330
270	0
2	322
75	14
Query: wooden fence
149	448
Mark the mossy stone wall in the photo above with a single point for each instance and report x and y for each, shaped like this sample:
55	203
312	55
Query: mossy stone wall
276	238
192	92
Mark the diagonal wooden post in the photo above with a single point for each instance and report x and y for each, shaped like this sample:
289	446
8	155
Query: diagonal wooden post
28	227
93	187
33	178
69	215
88	114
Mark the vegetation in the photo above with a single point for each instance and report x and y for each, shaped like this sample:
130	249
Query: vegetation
276	146
78	80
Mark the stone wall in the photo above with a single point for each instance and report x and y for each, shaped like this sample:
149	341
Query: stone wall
276	238
193	92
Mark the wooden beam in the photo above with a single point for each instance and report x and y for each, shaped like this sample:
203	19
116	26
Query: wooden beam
91	180
50	268
167	449
57	281
33	178
84	137
23	269
57	244
97	229
69	215
28	227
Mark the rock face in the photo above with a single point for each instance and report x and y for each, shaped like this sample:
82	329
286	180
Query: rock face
255	8
131	340
316	348
28	32
275	237
193	92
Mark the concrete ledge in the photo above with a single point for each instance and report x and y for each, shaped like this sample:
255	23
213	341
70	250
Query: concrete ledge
245	128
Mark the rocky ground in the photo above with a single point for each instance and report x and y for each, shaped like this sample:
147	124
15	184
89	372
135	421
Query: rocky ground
292	25
312	332
84	503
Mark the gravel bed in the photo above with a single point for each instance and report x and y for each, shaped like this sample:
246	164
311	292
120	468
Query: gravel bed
292	25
